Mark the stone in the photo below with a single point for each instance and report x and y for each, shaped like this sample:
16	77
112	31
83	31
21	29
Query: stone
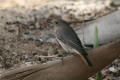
108	29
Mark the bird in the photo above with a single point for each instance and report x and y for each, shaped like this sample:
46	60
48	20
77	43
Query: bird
68	39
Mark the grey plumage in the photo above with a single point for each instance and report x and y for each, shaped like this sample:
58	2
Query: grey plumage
69	40
68	36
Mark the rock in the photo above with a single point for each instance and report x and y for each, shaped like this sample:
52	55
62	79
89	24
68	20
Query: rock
91	78
72	11
116	2
108	29
33	37
112	69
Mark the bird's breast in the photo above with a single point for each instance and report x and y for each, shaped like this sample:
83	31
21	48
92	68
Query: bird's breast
66	47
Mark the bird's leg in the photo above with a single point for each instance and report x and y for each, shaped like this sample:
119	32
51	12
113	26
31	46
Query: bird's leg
62	59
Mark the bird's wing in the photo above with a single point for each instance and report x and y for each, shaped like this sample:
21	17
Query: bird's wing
76	45
68	36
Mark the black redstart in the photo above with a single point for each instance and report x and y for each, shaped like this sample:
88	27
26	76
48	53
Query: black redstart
69	40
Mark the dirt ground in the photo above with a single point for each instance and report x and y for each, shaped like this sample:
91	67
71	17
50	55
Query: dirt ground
18	50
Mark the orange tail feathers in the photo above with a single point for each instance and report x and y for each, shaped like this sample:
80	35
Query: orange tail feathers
84	58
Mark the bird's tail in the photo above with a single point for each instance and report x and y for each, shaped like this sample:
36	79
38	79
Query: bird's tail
84	57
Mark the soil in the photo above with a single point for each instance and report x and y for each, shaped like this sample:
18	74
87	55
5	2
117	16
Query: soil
20	47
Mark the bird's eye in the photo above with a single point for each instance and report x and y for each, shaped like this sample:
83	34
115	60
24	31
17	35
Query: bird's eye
56	22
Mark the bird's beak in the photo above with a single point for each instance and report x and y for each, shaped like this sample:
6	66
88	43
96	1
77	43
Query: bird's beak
47	23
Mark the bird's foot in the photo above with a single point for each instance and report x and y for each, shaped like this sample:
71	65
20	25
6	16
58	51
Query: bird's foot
62	59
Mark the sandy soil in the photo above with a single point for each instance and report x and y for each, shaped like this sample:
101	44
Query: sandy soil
17	50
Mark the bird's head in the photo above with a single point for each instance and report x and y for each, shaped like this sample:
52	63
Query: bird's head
55	20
